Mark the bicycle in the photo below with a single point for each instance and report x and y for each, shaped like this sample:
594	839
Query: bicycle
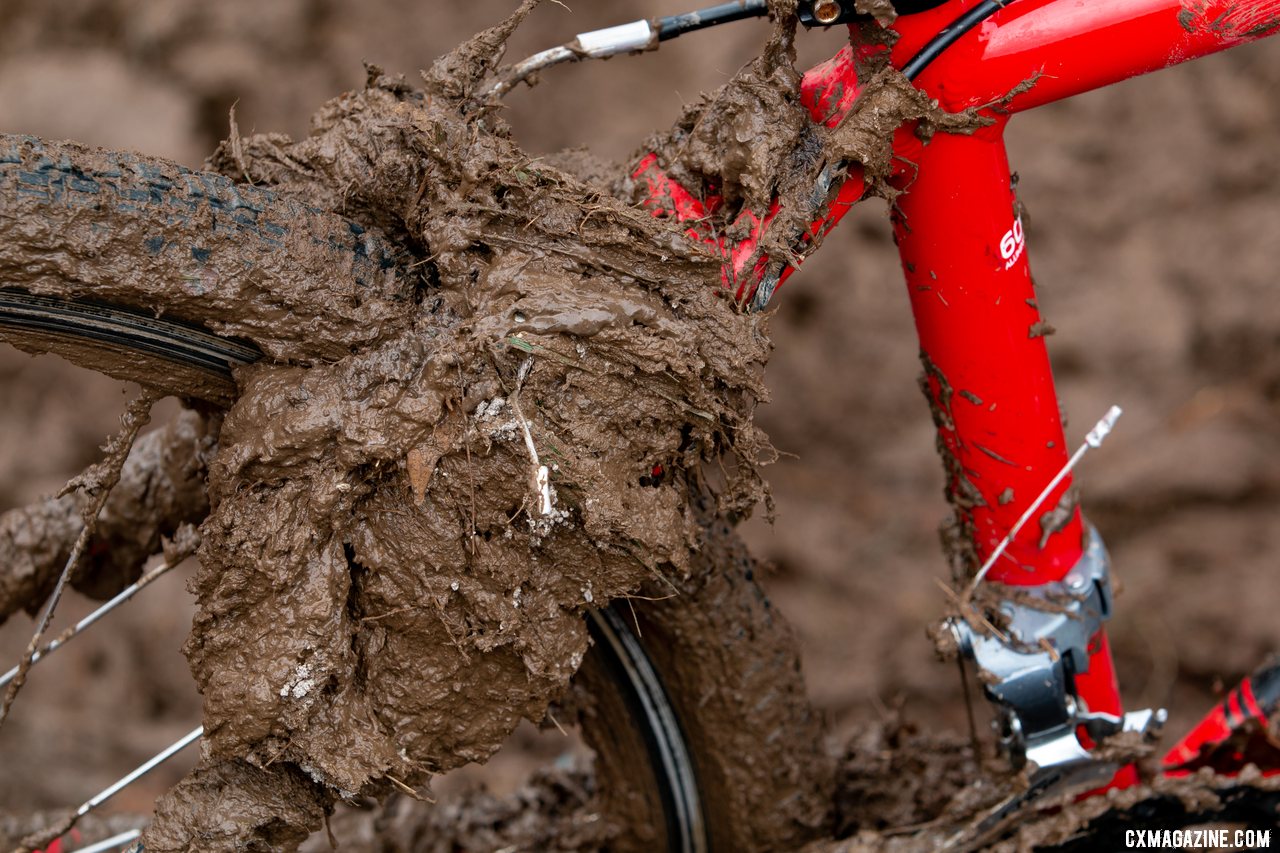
828	91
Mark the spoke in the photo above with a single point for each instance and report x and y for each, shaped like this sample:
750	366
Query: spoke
113	843
123	596
44	837
142	770
98	480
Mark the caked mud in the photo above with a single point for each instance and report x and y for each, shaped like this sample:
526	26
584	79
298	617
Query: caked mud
402	541
386	585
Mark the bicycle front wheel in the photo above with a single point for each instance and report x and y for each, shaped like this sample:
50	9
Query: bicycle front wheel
702	737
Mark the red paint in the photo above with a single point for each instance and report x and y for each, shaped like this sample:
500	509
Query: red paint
1101	684
966	262
1214	728
1100	681
58	844
1257	697
743	265
989	378
1077	45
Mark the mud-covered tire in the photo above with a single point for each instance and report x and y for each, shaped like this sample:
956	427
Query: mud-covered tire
730	663
96	227
727	664
698	716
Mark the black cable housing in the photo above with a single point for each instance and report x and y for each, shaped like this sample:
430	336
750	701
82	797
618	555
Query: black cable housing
950	35
677	25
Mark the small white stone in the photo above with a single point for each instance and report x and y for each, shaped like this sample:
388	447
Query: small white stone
299	684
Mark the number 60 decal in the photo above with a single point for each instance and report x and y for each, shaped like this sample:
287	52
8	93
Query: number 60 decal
1012	244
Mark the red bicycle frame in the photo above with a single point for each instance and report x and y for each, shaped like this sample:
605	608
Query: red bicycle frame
964	256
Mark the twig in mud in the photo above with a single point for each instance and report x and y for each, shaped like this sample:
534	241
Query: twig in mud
541	474
588	262
556	723
466	442
911	828
675	591
534	349
387	615
635	618
279	752
102	477
646	597
697	413
237	146
422	798
456	643
417	198
968	612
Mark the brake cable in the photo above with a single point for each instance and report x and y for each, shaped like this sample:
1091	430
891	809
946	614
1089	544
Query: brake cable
950	34
635	37
645	35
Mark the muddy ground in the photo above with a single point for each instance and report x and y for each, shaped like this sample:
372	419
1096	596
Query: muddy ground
1153	220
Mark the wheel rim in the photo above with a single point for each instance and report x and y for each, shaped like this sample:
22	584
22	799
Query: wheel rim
634	675
172	356
188	361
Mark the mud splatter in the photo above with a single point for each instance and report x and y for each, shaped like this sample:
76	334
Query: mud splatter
382	593
1227	21
996	456
1060	516
1040	329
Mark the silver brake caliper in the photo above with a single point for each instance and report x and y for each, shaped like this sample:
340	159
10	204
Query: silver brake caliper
1029	674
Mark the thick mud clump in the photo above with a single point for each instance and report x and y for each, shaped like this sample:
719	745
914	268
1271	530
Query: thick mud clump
511	419
402	542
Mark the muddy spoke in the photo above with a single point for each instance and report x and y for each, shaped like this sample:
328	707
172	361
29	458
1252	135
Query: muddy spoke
141	770
101	479
75	630
113	843
44	837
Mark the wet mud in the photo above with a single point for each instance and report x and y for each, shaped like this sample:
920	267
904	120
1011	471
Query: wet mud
401	543
1223	337
160	490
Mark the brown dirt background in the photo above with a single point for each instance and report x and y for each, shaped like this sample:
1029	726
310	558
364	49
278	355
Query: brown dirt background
1154	233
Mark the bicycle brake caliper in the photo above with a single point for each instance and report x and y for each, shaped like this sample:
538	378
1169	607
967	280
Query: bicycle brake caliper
1030	673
